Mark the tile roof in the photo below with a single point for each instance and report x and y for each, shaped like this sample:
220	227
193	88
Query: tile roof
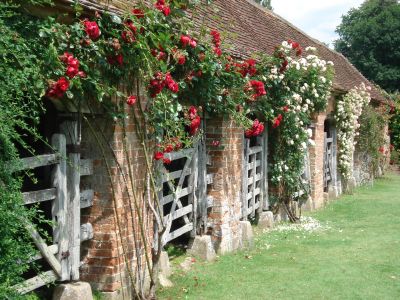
251	28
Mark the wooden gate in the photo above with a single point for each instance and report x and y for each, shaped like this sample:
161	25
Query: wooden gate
253	183
328	161
63	253
178	193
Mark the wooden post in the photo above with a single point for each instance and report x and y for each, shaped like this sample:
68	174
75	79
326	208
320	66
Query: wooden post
202	182
193	181
60	204
245	162
71	130
265	198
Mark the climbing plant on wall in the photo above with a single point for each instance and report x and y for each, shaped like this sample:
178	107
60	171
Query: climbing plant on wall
348	111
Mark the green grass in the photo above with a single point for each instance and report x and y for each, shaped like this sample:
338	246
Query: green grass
358	257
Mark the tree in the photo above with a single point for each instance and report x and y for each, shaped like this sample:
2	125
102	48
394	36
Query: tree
369	37
265	3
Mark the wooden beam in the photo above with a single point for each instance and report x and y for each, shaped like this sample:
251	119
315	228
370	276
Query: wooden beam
60	204
174	175
86	232
86	198
86	167
44	250
182	193
179	154
180	212
53	249
38	161
36	282
177	233
39	196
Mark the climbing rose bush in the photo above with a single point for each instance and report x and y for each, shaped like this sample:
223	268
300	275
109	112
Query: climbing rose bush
348	111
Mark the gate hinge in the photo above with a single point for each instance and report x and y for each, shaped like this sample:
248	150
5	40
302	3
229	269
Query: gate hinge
65	254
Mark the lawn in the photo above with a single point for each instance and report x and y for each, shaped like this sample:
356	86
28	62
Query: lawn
354	255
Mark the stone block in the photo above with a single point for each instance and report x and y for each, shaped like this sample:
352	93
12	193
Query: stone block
247	234
202	247
164	265
266	220
71	291
164	281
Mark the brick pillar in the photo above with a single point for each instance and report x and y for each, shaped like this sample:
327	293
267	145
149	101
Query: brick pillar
104	265
226	166
317	162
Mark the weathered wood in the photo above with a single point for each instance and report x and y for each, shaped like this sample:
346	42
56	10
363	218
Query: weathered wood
253	186
257	177
182	193
255	150
255	192
86	166
71	131
86	232
60	204
259	208
209	178
193	196
38	161
86	198
253	164
53	249
175	175
180	154
180	212
202	184
177	233
245	171
44	250
265	198
39	196
36	282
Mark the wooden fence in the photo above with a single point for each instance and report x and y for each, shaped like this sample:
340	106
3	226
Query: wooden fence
63	252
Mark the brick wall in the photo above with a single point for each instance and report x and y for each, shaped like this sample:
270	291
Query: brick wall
103	260
317	161
226	166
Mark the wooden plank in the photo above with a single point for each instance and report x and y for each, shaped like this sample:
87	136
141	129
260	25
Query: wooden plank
177	233
38	161
250	194
180	154
174	175
181	212
52	249
257	177
193	196
202	184
39	196
265	197
59	206
182	193
245	171
255	150
253	186
209	178
75	169
86	198
86	232
250	210
252	164
36	282
86	166
44	250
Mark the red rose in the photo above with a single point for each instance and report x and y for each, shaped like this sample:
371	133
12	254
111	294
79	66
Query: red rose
181	60
192	112
82	74
215	143
285	108
92	29
218	51
166	11
131	100
71	72
256	129
138	13
128	37
170	83
130	25
194	125
158	155
57	89
193	43
185	40
169	148
258	88
277	121
166	161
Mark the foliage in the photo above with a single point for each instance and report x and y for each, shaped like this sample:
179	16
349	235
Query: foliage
265	3
371	139
394	123
369	37
348	111
21	84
